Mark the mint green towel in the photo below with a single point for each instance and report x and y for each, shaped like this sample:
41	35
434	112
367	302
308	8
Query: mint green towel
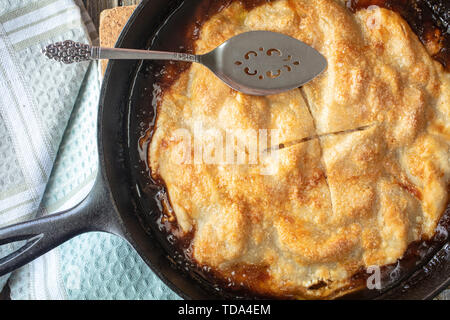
48	151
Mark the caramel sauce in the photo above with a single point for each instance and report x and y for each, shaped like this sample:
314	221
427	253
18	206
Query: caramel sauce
429	19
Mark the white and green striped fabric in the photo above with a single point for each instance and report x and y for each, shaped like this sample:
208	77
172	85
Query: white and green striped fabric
48	156
36	99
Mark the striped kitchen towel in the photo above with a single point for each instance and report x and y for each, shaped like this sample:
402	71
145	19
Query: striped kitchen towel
48	111
36	99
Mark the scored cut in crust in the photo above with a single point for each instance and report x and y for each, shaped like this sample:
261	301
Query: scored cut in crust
338	203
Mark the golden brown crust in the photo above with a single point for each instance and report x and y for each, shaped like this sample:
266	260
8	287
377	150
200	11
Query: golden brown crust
335	204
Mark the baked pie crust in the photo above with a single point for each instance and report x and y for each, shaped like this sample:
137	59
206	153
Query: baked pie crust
338	203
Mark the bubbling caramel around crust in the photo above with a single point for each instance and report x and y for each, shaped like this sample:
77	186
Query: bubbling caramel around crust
338	203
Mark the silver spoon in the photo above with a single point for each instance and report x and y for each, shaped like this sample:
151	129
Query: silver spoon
255	62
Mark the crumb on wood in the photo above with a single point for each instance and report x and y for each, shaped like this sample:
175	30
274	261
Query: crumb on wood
112	22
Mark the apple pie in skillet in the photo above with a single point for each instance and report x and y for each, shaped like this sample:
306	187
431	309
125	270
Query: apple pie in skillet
360	168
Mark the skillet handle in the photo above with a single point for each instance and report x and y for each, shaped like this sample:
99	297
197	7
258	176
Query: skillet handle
46	233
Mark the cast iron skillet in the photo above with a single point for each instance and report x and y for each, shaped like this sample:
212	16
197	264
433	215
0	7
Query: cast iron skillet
117	204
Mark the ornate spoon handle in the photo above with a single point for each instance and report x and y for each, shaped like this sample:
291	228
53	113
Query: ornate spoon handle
69	52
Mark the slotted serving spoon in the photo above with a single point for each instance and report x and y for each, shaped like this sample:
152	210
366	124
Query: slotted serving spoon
255	62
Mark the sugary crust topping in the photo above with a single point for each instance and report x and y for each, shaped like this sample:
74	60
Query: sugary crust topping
337	203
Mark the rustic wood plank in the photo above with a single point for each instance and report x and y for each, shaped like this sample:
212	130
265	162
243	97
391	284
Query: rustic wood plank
94	7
